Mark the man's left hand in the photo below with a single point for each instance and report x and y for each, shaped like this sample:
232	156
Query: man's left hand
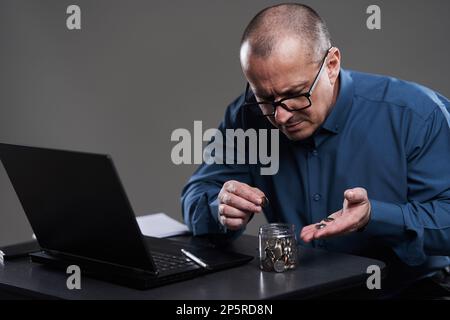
354	215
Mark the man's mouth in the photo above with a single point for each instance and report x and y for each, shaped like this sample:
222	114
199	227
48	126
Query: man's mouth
293	127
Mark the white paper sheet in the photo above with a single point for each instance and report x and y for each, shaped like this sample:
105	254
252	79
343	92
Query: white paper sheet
160	225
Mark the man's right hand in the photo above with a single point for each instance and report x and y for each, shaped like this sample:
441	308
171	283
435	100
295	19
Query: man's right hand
237	202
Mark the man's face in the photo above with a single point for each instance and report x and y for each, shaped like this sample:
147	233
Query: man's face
288	71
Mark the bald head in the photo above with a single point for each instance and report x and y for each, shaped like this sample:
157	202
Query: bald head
273	25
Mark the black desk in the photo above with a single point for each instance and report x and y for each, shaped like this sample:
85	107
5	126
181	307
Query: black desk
319	272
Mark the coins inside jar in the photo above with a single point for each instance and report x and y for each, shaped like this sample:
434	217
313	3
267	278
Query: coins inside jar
278	248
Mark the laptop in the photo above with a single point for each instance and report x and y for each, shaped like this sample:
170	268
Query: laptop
80	214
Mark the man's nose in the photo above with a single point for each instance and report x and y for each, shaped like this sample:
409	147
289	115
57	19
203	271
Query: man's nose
282	116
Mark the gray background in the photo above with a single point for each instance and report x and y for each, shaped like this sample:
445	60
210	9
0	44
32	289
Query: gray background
140	69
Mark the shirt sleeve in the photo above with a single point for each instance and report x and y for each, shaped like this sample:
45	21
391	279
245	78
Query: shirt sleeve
199	196
420	227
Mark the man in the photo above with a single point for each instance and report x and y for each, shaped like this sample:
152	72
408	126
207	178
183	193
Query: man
371	152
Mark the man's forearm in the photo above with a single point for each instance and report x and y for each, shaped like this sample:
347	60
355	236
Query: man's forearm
414	230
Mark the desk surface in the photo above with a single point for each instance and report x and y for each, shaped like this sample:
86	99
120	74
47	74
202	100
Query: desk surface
319	272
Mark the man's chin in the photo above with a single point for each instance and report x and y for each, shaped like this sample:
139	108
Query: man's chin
299	134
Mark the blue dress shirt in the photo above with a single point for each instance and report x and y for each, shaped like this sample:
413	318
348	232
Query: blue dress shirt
386	135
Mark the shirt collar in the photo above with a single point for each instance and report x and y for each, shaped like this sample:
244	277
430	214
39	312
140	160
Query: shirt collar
338	115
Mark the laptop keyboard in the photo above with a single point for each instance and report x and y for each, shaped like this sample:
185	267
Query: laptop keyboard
166	262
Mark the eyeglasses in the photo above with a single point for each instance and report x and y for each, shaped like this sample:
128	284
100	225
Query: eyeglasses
298	102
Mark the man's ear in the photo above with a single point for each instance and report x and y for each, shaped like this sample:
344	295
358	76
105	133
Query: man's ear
333	65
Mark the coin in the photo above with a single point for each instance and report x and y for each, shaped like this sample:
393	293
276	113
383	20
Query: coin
272	242
278	266
266	264
320	226
264	201
278	251
269	253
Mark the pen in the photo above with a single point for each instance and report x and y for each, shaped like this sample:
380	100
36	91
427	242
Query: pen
195	259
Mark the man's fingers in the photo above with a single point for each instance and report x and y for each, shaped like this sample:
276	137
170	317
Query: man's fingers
339	225
307	229
244	191
342	224
238	202
356	195
335	215
307	233
311	232
332	229
312	227
232	218
230	212
233	223
259	192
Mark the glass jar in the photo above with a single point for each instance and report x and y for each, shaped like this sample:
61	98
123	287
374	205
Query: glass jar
277	247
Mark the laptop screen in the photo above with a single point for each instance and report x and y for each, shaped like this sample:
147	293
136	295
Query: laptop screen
76	204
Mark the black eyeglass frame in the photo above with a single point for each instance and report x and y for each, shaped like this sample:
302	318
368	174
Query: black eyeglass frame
280	102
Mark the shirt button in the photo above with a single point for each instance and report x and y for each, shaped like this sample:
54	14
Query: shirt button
316	197
315	153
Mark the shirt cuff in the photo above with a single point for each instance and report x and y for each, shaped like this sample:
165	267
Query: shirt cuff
386	222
